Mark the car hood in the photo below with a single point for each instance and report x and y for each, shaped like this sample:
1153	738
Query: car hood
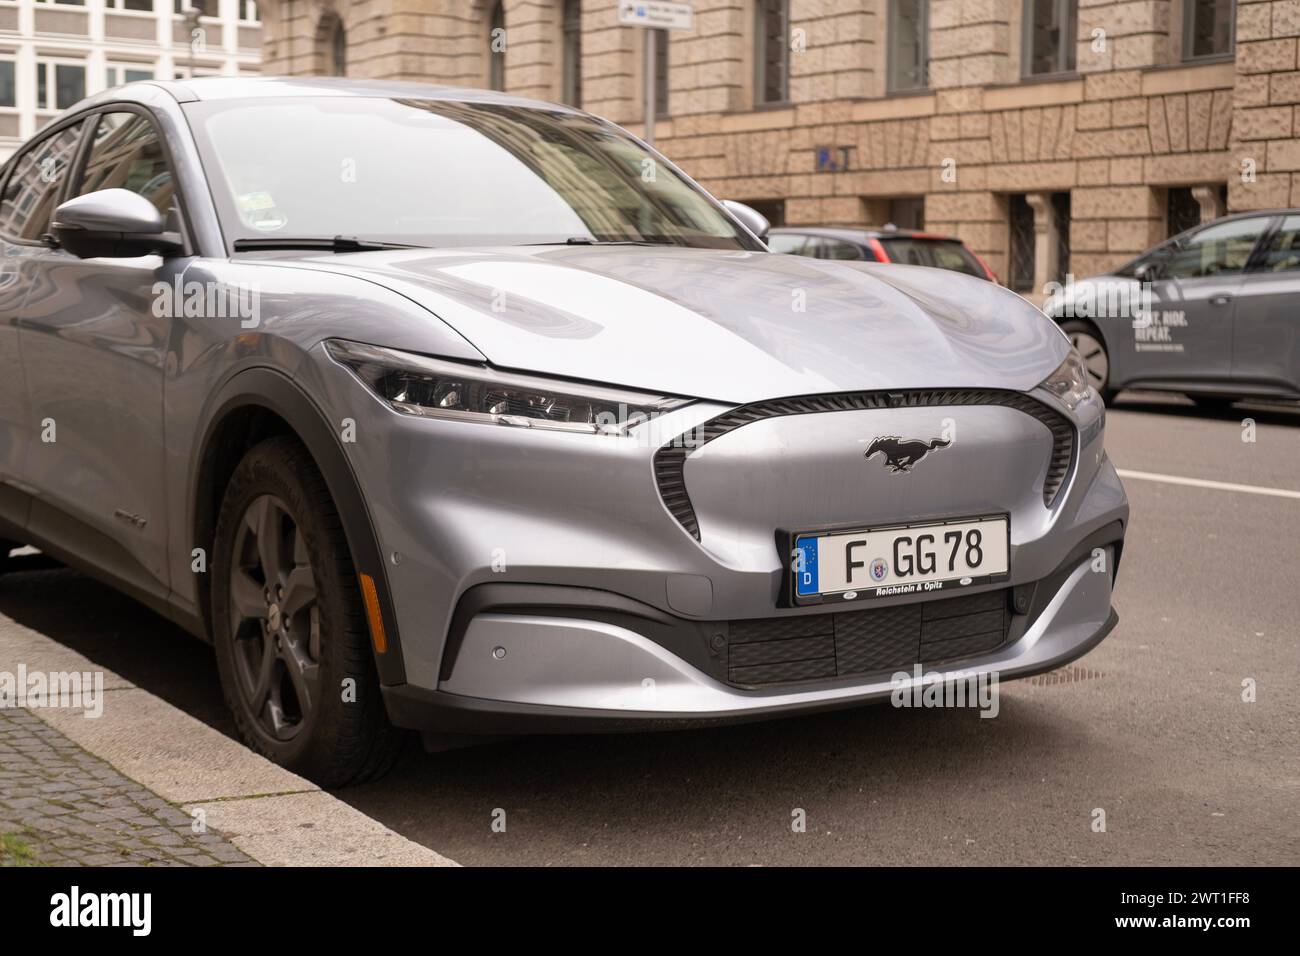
726	325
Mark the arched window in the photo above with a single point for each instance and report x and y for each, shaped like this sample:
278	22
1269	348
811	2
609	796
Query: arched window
497	47
571	53
339	49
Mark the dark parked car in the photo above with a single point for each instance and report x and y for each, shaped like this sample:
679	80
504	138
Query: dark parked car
881	245
1213	312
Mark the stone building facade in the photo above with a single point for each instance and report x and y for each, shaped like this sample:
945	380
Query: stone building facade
1050	135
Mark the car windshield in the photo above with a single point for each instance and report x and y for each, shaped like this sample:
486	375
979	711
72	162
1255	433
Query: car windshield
443	173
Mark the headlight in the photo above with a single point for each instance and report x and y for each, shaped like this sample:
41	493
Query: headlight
1069	382
436	388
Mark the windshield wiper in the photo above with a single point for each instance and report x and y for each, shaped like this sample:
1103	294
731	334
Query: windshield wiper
336	244
591	241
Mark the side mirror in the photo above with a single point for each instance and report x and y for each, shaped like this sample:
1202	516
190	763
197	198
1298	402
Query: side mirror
750	218
115	223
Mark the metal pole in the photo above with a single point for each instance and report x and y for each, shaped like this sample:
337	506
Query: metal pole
650	84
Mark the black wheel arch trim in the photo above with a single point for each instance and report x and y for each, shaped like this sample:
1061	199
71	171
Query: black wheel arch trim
273	390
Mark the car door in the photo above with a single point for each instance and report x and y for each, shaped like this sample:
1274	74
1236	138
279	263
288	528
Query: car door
34	179
1266	324
1194	287
94	347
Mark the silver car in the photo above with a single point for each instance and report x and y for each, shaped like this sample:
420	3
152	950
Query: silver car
443	410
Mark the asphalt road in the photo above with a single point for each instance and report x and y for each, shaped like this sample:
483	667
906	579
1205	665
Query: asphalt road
1150	727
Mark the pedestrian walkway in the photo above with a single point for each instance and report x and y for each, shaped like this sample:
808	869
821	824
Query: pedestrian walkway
117	775
61	806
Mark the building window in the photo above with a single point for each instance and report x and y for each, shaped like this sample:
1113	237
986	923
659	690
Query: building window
1049	36
70	3
773	210
771	52
117	74
1020	274
331	45
1061	211
248	11
8	94
661	73
1209	28
1182	212
206	8
571	53
339	49
909	45
497	47
143	6
59	85
907	212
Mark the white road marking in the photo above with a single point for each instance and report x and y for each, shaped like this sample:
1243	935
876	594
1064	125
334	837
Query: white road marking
1206	483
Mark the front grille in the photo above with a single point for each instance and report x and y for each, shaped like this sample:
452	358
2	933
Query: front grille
866	640
670	460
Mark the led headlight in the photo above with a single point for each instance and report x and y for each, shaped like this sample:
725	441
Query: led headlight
1069	382
437	388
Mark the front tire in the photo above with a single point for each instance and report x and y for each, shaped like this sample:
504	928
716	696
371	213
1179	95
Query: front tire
1087	341
289	626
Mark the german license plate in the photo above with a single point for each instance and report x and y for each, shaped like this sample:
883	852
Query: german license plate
901	559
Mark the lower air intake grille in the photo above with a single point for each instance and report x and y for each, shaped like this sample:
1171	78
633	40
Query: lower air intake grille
670	460
866	640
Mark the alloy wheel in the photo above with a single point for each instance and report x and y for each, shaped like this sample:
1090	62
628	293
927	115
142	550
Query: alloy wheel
1094	357
275	619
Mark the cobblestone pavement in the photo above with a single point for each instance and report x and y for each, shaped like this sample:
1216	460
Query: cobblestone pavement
61	806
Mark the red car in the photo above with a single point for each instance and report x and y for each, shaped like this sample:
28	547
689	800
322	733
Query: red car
880	245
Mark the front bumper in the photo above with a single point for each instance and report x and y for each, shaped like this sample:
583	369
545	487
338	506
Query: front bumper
577	660
540	580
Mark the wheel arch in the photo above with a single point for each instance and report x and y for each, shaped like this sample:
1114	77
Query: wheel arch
259	403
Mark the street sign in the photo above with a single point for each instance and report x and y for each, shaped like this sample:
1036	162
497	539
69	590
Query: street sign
655	14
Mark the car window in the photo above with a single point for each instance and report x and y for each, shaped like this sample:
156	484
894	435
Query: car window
954	257
1220	249
788	243
837	249
939	253
34	184
1283	252
127	154
1150	258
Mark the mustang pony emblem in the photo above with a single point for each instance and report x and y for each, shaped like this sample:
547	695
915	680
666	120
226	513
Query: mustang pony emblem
901	454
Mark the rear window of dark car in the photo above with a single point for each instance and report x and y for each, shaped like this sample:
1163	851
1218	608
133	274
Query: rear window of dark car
939	253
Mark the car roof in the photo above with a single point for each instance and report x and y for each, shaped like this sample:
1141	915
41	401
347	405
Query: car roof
851	234
214	88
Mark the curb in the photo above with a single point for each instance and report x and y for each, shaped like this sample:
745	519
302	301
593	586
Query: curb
275	817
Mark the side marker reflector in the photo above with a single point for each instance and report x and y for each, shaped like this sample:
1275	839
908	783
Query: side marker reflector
370	595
